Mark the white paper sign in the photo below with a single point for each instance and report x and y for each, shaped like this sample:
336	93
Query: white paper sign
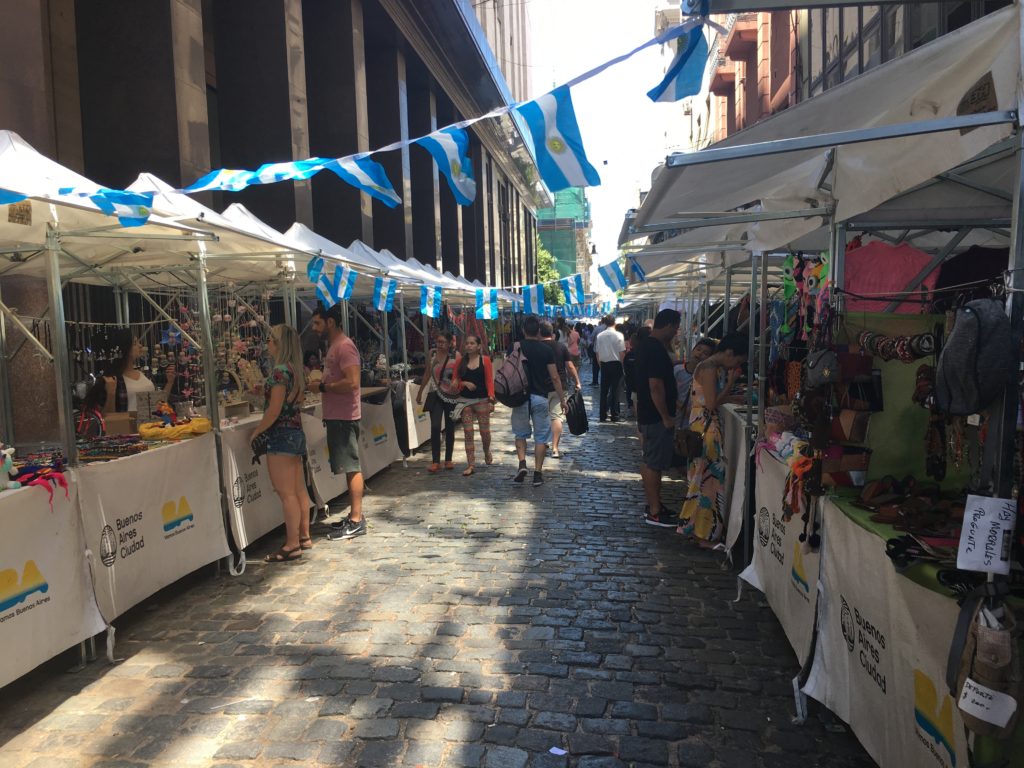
985	704
987	535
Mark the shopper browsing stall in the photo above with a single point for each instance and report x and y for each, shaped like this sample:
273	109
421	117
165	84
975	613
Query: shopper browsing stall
441	397
474	381
281	428
342	412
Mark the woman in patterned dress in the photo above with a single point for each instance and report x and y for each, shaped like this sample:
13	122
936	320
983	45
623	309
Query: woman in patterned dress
703	514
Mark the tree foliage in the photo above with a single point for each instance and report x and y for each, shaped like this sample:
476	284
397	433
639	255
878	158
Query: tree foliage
547	274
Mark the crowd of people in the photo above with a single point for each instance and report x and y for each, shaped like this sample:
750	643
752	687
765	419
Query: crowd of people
673	397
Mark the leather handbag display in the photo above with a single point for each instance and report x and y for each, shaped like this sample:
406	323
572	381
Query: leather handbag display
820	368
850	426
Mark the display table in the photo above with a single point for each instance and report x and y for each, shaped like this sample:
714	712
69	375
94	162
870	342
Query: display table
253	508
737	450
150	519
417	419
46	599
782	567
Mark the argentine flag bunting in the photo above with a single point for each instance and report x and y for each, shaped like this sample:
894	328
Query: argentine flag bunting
450	149
533	299
7	197
384	293
572	287
314	268
612	276
269	173
131	208
327	288
365	174
345	278
638	271
557	143
430	300
486	303
229	181
686	72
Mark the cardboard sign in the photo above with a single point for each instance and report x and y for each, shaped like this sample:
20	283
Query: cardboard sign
987	535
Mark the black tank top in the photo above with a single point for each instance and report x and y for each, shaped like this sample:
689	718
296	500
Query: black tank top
476	376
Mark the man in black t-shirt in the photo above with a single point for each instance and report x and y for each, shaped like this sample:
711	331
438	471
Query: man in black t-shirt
532	416
567	373
656	411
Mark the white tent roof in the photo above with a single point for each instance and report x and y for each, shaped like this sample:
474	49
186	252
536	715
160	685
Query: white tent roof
301	236
88	237
934	81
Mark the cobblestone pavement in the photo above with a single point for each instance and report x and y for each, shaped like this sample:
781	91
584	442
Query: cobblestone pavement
478	624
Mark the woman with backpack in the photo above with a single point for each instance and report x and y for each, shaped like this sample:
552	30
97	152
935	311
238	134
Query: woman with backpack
281	428
441	399
474	381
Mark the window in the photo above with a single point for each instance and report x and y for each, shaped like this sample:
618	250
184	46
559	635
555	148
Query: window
814	34
851	46
893	31
833	55
924	23
958	14
871	37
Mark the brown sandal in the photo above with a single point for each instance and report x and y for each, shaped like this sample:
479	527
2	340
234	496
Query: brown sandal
306	542
284	555
467	471
449	465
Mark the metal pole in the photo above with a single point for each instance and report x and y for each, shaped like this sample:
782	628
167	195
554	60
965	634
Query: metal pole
344	318
405	345
61	355
706	307
728	301
385	340
6	413
762	345
209	359
125	314
1005	418
118	307
747	539
426	338
838	270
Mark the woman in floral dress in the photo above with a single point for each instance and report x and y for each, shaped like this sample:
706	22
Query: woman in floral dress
703	514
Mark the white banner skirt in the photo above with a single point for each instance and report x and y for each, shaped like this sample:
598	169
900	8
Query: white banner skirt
46	598
151	519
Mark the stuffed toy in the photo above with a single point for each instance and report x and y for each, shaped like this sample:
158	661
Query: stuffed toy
8	469
166	414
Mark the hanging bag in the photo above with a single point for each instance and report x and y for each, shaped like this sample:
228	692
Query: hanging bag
433	398
977	360
576	415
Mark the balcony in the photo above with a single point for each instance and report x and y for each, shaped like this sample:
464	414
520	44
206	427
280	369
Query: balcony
723	78
742	38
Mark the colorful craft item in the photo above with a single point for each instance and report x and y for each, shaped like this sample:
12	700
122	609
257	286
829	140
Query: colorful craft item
7	470
906	349
166	414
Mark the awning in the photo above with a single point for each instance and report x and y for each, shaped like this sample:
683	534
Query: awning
972	70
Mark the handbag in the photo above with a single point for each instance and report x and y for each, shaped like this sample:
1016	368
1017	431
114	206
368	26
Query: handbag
689	444
850	426
259	447
576	415
433	396
820	368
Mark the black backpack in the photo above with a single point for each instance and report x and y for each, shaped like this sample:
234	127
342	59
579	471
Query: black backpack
977	360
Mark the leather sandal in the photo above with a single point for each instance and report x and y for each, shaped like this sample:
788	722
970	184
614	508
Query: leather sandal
434	469
284	555
306	542
467	471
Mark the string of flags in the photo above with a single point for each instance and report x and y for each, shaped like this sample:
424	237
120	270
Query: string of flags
612	276
550	120
572	289
430	300
384	293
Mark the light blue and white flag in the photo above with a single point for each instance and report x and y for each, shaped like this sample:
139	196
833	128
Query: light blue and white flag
612	276
270	173
430	300
384	293
346	282
686	72
314	268
327	287
131	208
638	271
223	179
450	149
533	299
365	174
486	303
558	146
7	197
572	288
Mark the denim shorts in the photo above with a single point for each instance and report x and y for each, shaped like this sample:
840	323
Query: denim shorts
535	410
343	445
282	441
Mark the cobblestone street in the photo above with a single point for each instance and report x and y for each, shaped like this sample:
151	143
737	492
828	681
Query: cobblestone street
478	624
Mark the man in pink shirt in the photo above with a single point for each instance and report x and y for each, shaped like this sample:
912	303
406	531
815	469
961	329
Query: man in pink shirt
342	411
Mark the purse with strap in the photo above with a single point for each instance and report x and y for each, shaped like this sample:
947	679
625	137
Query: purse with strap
433	398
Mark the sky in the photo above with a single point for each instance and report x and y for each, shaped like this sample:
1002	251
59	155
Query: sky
623	131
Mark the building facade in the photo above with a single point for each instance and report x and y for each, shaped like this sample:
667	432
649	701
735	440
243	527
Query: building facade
564	230
112	88
769	61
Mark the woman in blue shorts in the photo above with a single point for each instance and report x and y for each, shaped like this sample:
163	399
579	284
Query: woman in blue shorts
283	394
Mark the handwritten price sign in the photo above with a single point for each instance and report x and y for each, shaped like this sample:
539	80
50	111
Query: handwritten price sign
987	535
